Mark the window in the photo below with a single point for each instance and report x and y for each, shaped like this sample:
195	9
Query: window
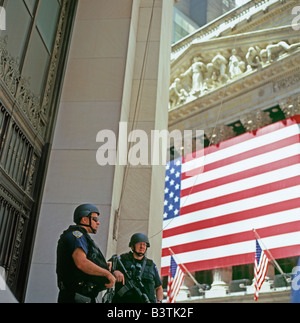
31	39
31	5
36	63
17	33
47	20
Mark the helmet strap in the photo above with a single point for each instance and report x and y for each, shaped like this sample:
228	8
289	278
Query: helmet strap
138	253
89	225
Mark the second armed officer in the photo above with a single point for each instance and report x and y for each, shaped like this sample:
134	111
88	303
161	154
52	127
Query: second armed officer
143	271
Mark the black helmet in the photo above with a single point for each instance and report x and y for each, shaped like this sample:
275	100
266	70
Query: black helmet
84	210
139	237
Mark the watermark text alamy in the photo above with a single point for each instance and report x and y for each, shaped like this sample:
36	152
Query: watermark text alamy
137	147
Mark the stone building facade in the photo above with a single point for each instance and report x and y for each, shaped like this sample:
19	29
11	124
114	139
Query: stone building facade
97	63
69	69
237	74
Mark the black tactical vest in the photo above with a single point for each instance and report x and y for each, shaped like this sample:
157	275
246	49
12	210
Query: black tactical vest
69	275
147	277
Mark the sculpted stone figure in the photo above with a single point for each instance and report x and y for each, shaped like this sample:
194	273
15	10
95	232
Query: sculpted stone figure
236	66
196	70
220	63
177	94
273	51
211	78
252	58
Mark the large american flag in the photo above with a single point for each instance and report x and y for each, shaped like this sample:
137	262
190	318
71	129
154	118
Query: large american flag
261	264
213	202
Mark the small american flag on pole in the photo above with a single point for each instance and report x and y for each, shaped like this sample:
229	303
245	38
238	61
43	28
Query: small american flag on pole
175	280
261	264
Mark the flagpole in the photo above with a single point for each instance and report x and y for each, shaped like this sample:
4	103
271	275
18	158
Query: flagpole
271	256
191	276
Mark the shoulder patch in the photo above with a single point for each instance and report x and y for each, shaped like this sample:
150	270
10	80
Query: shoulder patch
77	234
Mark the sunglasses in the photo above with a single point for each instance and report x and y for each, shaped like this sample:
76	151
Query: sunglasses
95	218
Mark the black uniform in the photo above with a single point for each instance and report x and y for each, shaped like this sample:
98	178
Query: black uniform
148	273
76	286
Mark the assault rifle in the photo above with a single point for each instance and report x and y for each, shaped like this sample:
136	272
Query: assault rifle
108	296
131	283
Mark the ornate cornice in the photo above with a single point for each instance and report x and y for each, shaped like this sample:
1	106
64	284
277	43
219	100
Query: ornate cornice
50	83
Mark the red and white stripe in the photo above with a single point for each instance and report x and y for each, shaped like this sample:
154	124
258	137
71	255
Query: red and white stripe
250	181
174	285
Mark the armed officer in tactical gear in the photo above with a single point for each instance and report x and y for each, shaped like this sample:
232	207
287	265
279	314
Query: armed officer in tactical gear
143	272
82	271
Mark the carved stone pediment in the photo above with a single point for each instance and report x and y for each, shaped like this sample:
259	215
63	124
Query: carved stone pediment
210	65
252	16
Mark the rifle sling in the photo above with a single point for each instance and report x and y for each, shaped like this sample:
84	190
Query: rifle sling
143	267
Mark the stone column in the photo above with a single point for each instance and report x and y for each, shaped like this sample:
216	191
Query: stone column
221	279
116	67
138	190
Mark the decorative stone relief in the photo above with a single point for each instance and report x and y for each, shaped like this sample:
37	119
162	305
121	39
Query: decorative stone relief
286	82
255	120
251	121
33	106
31	175
46	102
290	106
236	65
18	86
8	197
14	265
219	133
273	51
204	76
